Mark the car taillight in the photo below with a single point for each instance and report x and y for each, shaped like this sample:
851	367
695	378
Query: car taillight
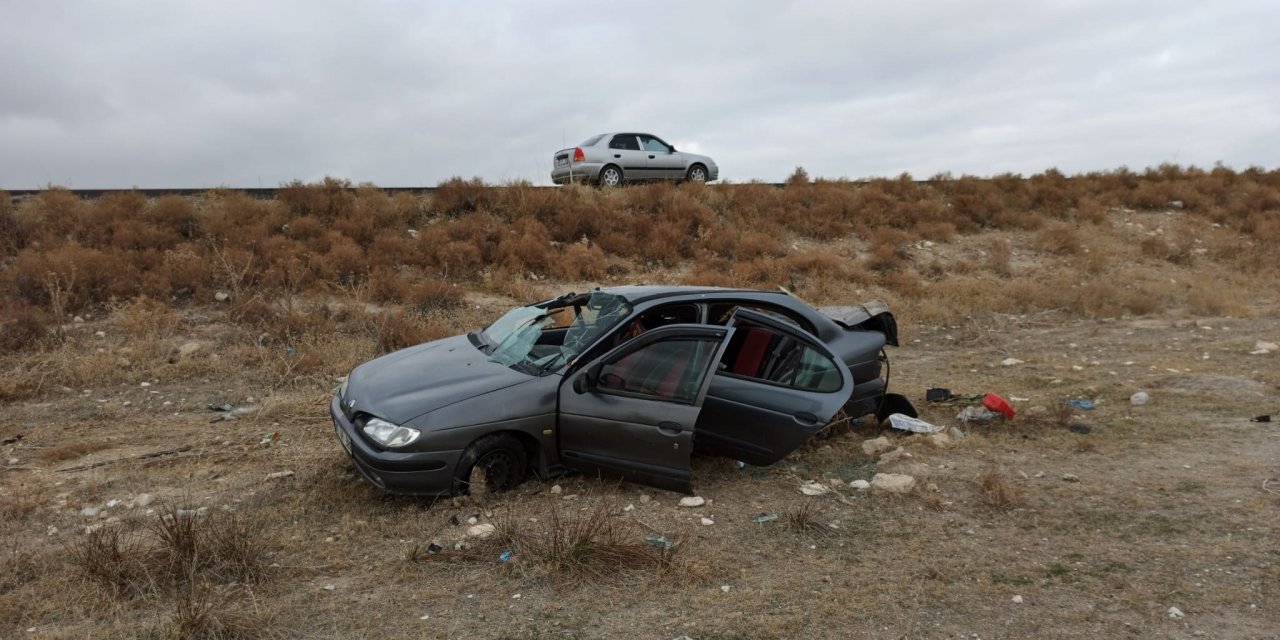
578	156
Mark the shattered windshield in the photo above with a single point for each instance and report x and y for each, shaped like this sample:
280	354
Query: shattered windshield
545	336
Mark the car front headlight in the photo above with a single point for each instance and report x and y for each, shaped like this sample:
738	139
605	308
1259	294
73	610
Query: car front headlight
342	390
389	435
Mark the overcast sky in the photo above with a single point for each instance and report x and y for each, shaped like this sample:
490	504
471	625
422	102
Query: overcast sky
257	93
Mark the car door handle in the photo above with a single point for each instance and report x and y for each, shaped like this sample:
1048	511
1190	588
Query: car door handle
806	419
652	157
670	428
617	155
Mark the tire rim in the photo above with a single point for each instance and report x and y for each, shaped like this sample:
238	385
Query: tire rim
699	175
611	177
499	467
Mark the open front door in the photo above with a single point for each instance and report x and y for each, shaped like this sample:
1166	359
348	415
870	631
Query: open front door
775	387
631	412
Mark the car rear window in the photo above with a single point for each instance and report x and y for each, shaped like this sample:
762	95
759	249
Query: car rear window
590	142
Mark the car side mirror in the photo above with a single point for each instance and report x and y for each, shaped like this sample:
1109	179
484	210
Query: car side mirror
585	382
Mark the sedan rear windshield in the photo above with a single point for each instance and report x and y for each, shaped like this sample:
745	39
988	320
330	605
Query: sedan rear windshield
545	336
590	142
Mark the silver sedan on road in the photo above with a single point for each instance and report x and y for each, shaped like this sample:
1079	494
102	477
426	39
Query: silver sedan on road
610	159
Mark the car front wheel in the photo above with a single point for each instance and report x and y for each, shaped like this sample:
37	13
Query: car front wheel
697	173
610	176
496	462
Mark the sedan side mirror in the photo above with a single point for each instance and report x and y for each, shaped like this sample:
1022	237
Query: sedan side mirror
585	382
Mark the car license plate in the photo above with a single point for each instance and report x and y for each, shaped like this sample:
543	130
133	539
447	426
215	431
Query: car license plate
342	437
560	162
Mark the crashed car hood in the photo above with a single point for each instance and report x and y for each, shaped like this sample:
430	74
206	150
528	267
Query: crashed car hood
403	385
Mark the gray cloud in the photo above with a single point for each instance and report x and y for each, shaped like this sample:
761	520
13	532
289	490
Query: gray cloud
116	94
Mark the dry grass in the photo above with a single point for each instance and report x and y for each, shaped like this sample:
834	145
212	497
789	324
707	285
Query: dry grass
1061	272
998	492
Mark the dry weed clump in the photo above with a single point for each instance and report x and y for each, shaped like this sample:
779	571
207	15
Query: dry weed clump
998	492
595	544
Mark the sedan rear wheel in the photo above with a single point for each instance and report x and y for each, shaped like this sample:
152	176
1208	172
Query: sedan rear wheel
493	463
697	173
610	176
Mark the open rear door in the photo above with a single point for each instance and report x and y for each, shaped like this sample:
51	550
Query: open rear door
631	412
775	387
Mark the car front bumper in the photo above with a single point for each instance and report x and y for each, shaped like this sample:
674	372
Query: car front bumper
425	473
576	172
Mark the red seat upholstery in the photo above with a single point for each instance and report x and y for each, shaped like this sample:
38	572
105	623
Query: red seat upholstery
752	353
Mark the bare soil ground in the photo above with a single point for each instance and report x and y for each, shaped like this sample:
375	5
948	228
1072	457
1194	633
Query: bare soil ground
1169	510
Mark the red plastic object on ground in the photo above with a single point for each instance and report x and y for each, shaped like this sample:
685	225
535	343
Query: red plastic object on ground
998	405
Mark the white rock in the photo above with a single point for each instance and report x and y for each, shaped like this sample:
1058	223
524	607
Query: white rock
956	433
143	499
692	501
473	520
111	504
1070	477
481	530
279	474
725	588
893	482
89	512
644	498
1017	599
940	440
706	522
1138	399
144	385
556	489
189	348
1176	613
222	296
1009	362
77	319
814	489
630	507
876	445
1265	347
100	334
329	587
53	531
860	485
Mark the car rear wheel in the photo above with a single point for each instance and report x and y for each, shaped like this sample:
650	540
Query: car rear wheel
610	176
496	462
697	173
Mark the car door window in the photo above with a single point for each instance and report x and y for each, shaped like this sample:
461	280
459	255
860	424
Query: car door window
653	144
768	355
720	314
626	143
671	369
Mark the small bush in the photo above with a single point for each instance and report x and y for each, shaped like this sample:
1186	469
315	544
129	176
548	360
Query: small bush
998	493
1058	239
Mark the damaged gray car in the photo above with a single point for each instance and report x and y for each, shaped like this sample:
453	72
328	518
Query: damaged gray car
625	382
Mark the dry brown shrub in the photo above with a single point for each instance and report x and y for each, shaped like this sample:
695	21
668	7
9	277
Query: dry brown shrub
936	231
392	251
71	450
999	493
528	246
709	276
579	261
25	328
761	272
433	294
456	196
1059	239
146	318
755	244
1154	247
396	330
55	215
14	235
72	276
999	253
902	282
385	285
1142	303
175	214
328	200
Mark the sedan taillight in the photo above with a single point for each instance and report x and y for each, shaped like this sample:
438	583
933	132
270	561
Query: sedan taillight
578	156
